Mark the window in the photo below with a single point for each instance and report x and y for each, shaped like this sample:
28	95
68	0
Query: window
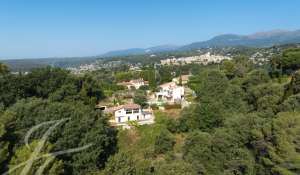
136	111
119	119
128	118
137	117
160	97
128	111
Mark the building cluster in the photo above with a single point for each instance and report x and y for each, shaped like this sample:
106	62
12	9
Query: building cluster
261	57
200	59
135	67
97	65
83	68
171	93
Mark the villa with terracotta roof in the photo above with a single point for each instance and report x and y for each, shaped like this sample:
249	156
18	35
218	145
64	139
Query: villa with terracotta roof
134	83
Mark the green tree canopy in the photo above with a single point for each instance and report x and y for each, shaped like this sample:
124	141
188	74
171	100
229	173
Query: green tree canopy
276	145
290	59
164	142
266	97
254	78
209	84
120	164
6	140
84	126
23	154
43	81
292	103
140	98
294	86
3	69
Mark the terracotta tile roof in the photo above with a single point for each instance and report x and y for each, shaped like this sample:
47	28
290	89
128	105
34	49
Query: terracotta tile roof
185	77
137	81
170	84
126	106
132	82
130	106
124	83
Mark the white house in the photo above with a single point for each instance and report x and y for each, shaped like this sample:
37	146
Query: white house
170	93
130	112
134	83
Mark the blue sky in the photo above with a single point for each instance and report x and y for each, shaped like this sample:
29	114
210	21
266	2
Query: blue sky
53	28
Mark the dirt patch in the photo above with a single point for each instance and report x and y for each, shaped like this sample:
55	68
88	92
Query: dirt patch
179	138
173	113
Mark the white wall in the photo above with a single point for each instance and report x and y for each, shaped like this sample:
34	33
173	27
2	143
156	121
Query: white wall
178	93
138	85
121	113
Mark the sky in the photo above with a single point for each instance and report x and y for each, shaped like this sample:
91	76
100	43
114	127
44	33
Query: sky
66	28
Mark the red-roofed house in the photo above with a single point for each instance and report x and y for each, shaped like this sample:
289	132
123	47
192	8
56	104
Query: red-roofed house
134	83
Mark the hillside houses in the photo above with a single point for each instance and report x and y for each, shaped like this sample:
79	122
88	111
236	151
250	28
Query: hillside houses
167	94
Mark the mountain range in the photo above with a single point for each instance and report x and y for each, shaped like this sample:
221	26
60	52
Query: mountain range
136	51
260	39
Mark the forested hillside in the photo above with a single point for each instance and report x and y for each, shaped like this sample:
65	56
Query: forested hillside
245	120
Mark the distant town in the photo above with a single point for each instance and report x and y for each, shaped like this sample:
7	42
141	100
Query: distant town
202	57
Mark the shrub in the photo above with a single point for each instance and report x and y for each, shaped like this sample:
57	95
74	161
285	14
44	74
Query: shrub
164	142
154	106
172	106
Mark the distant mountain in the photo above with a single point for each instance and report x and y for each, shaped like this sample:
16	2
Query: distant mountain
138	51
132	51
261	39
162	48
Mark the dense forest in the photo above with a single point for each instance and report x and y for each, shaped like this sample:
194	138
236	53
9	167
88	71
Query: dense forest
245	119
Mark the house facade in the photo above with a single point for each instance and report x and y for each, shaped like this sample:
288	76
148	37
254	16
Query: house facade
170	93
130	112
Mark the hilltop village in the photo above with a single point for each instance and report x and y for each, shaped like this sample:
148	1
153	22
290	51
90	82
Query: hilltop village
197	58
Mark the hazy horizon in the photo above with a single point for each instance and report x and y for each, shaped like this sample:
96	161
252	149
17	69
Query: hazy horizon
43	29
